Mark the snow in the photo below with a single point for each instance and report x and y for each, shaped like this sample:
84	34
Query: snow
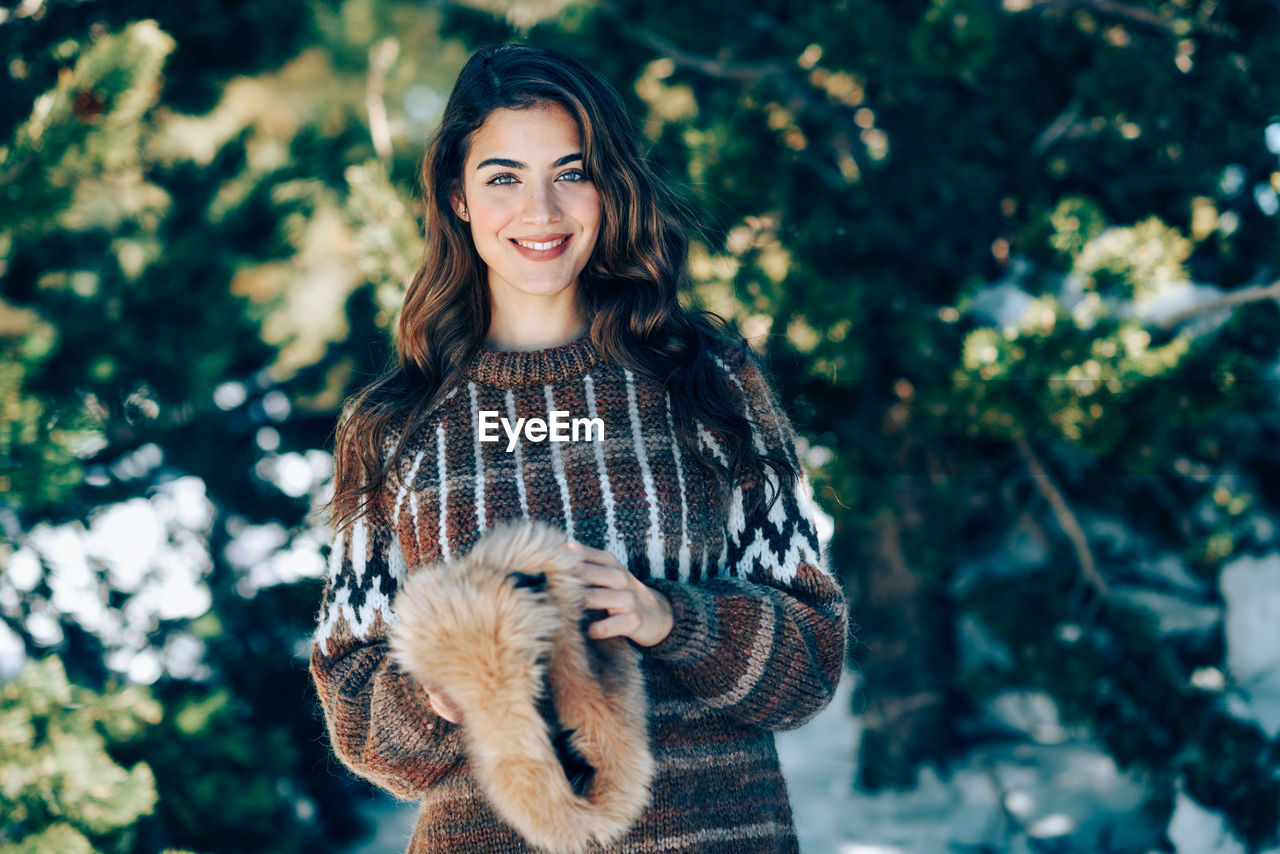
1195	830
1251	589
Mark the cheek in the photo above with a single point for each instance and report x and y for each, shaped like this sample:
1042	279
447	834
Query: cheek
588	211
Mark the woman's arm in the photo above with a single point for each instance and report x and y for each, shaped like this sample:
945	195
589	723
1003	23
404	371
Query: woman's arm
381	723
765	641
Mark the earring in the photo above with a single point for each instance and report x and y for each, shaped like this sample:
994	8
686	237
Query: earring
462	212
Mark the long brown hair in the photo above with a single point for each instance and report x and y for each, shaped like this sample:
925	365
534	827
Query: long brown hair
628	288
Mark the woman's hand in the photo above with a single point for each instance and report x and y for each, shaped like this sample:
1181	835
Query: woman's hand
442	706
636	610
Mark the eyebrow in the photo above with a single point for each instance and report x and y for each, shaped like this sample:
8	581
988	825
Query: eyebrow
516	164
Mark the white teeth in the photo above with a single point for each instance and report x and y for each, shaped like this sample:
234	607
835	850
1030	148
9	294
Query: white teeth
530	245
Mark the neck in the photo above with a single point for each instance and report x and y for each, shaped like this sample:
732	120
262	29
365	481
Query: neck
534	327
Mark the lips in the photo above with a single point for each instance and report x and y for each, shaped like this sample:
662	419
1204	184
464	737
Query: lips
542	247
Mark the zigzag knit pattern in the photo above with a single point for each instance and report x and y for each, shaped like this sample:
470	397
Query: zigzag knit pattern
760	624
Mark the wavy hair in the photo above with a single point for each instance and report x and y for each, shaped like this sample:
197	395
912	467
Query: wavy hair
628	288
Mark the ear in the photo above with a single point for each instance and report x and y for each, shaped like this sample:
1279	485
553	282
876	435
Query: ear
459	206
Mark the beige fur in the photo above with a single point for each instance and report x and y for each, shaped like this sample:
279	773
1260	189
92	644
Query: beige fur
464	628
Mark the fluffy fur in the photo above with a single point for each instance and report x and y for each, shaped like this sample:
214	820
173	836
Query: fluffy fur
493	631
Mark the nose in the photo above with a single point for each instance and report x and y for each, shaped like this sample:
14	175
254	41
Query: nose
540	203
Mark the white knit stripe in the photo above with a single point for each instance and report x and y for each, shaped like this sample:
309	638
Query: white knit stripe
475	442
397	566
778	512
679	707
722	562
417	532
443	481
698	839
359	549
684	507
325	629
737	522
330	616
404	487
750	414
335	556
557	469
613	542
655	542
714	447
711	443
519	458
683	759
761	650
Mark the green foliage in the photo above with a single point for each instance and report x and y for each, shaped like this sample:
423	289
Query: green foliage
89	124
186	224
60	790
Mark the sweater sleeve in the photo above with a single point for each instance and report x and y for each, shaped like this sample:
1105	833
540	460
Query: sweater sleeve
380	722
764	640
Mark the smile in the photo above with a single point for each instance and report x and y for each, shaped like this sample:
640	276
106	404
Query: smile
529	244
542	250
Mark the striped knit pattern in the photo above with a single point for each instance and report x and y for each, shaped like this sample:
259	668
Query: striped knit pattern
759	637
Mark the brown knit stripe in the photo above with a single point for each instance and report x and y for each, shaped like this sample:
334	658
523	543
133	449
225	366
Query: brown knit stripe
423	512
726	658
460	522
501	495
823	596
629	512
541	490
582	480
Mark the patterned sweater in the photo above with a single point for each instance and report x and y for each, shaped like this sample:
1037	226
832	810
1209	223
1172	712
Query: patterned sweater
760	625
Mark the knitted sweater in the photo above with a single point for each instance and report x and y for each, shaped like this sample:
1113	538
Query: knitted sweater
760	625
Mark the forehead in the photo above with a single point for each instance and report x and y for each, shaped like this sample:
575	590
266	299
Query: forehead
546	130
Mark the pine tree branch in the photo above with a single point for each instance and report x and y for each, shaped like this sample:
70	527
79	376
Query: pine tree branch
1065	515
746	72
1240	296
1058	128
779	74
1134	14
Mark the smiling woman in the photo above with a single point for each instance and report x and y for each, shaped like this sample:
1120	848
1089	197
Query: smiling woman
534	223
569	645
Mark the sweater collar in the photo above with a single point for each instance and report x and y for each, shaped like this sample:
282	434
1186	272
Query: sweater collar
524	368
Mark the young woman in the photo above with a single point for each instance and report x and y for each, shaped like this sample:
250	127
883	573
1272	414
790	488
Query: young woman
549	284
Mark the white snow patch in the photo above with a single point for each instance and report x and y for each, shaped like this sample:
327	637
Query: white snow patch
1251	589
1196	830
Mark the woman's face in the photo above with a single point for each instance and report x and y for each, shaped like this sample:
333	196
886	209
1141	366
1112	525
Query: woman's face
533	212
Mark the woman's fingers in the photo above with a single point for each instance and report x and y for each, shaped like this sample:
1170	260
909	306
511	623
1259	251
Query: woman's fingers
443	707
604	599
619	625
594	556
604	576
635	610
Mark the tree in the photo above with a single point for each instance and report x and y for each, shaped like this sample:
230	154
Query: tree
1014	263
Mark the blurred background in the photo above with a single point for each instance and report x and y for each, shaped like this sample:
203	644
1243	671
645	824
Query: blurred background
1016	268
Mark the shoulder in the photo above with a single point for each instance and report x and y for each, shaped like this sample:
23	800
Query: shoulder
746	373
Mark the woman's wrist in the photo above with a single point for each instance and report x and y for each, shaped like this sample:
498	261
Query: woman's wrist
662	621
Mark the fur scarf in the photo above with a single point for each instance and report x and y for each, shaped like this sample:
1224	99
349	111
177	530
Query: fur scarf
554	723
